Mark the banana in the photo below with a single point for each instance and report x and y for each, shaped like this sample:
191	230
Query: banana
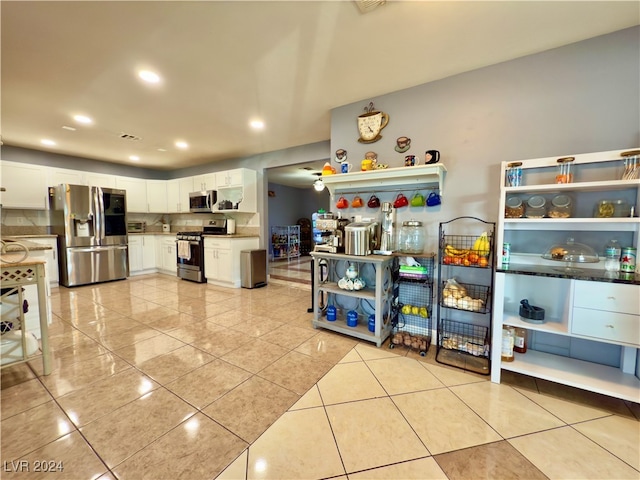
455	252
482	245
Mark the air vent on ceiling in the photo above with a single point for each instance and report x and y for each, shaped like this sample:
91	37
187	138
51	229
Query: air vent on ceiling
127	136
366	6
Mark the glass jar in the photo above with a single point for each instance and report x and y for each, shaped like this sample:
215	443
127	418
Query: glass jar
564	174
513	208
561	207
536	207
514	174
412	237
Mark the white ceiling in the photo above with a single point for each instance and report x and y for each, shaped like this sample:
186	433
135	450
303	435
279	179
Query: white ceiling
224	63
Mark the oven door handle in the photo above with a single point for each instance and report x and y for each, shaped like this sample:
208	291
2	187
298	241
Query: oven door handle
191	242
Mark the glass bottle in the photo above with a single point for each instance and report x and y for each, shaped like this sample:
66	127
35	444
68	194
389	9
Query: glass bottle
520	341
508	340
612	256
564	170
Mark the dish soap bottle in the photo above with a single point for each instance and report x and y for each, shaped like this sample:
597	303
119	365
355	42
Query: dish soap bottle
612	256
508	340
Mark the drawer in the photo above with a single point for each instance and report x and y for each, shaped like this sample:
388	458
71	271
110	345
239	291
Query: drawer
614	327
611	297
221	243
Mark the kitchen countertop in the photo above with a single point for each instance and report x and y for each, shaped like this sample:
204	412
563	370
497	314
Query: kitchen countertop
32	246
10	260
44	235
173	234
588	274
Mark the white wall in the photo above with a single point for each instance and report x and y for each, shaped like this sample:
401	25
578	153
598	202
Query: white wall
575	99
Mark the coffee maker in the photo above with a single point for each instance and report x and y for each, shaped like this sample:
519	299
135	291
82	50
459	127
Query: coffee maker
387	230
332	234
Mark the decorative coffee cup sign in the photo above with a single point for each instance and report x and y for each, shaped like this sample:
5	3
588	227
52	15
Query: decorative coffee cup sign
371	123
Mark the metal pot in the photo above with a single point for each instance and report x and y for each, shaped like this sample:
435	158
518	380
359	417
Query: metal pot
361	238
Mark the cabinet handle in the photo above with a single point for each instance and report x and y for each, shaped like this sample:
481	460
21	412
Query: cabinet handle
609	326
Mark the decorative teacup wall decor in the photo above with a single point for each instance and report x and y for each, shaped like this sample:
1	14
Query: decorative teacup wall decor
371	123
402	144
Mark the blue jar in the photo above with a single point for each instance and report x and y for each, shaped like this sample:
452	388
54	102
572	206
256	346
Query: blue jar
352	318
372	323
332	313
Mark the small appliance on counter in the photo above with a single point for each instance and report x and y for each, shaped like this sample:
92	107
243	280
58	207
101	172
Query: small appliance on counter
387	230
332	233
136	227
361	238
217	226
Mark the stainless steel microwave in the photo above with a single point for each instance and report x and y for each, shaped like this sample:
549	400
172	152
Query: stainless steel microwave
202	202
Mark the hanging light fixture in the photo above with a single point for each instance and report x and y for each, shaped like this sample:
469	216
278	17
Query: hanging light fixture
318	184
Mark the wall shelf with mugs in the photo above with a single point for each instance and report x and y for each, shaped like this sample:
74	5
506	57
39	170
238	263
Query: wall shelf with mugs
420	176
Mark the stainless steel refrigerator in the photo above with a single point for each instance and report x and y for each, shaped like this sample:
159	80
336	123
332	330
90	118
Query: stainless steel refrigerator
91	224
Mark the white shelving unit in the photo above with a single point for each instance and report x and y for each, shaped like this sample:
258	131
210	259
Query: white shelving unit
591	335
375	299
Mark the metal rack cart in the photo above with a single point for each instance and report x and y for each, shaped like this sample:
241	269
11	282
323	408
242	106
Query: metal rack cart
285	242
412	325
465	286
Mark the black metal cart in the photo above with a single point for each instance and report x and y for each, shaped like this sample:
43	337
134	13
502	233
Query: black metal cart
412	324
464	301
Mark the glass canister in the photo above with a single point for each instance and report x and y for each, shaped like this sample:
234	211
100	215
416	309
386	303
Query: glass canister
536	207
561	207
513	208
412	237
564	174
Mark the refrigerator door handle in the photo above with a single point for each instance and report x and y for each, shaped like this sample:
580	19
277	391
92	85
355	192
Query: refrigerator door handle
97	249
100	211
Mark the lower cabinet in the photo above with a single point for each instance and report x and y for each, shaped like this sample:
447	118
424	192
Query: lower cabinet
590	335
52	269
142	254
222	259
167	255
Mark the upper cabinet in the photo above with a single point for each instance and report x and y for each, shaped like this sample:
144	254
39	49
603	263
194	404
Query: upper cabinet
100	180
237	191
25	185
64	175
157	196
136	193
178	191
204	182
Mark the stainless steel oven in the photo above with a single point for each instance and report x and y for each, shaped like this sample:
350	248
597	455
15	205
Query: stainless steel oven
190	256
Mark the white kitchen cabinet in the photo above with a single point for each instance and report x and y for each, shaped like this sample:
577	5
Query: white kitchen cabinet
142	254
168	256
100	180
222	259
591	333
157	196
64	175
238	186
136	189
51	267
178	191
204	182
25	186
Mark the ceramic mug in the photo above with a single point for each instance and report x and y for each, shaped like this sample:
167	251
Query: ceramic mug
400	201
409	160
367	164
417	200
431	156
374	202
357	202
342	203
433	199
345	167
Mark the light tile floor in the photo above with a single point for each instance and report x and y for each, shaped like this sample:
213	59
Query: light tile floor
162	379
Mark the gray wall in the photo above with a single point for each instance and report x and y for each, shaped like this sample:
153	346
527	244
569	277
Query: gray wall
581	98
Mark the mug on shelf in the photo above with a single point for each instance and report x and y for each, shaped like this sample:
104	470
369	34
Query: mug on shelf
400	201
357	202
417	200
342	203
374	202
409	160
433	199
345	167
431	156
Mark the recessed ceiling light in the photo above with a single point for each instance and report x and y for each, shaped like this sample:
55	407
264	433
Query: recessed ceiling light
82	119
135	158
256	124
182	145
47	142
162	150
72	129
149	76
